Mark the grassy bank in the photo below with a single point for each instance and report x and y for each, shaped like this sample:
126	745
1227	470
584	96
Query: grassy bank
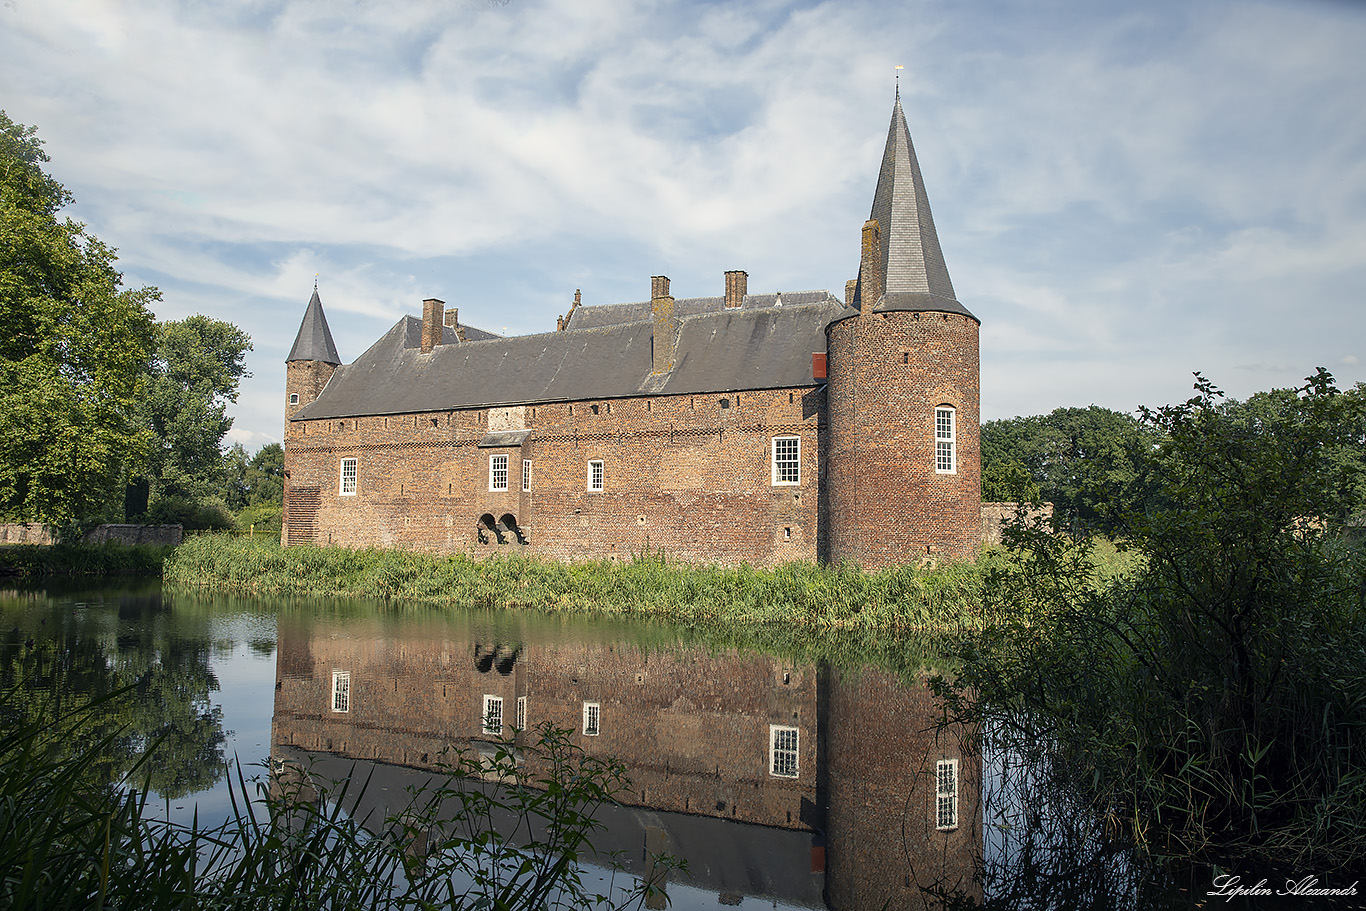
812	598
38	561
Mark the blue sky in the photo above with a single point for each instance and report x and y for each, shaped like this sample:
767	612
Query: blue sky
1125	193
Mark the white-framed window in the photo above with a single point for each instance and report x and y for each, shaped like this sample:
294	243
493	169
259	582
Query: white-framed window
945	441
592	719
782	751
595	474
498	472
348	478
946	794
341	691
521	714
526	475
294	398
493	714
787	460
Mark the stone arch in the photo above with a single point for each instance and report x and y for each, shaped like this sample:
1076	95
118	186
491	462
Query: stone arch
507	524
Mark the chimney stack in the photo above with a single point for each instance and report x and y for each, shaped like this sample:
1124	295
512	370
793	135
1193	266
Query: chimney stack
737	286
662	308
433	313
849	287
872	283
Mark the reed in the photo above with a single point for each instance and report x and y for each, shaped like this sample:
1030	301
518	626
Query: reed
34	561
815	599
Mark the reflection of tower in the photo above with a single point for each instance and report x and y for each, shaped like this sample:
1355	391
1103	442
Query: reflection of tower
902	796
902	396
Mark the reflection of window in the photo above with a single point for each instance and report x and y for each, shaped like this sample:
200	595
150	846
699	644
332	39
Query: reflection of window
946	794
493	714
782	751
341	691
526	474
592	715
595	474
787	463
498	472
521	713
348	477
945	441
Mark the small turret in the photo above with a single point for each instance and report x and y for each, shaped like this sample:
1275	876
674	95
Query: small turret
311	361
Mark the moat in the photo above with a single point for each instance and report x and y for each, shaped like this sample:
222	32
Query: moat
782	782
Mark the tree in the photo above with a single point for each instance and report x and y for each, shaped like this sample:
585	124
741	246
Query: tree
72	354
197	365
1088	462
1215	695
258	481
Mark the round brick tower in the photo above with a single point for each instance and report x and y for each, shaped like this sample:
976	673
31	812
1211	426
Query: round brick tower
903	458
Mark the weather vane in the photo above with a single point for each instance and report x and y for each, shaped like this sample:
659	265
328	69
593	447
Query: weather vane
899	68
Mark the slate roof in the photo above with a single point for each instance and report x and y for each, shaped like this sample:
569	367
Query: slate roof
912	262
314	341
603	355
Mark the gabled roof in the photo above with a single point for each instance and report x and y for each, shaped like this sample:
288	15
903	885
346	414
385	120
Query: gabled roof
912	262
314	341
718	351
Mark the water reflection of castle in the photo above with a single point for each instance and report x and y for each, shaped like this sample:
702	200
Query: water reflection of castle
860	798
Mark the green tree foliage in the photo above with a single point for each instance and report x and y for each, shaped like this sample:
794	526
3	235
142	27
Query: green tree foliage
197	365
1215	697
255	481
72	353
1090	463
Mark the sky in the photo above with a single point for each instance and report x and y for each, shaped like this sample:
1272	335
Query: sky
1125	193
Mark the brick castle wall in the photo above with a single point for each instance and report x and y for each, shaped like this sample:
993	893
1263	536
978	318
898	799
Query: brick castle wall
886	503
687	475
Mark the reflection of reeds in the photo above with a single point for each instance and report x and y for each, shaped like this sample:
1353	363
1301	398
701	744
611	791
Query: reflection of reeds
815	598
68	840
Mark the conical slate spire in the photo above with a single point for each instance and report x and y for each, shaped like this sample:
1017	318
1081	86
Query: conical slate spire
914	276
314	341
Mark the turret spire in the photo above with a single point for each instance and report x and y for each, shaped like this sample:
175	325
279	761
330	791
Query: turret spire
913	274
314	341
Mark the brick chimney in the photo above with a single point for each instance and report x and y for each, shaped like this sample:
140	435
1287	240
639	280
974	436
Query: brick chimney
849	288
453	320
872	283
433	311
662	308
737	286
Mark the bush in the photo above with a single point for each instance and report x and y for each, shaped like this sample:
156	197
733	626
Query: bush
193	514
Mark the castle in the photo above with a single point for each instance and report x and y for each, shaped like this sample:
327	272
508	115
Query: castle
759	428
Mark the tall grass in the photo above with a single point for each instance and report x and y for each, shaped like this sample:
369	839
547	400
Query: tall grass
483	835
815	599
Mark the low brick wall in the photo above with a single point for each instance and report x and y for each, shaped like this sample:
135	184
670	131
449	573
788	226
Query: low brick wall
994	515
32	533
160	535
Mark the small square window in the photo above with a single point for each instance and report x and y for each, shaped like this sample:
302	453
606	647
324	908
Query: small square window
526	475
341	691
498	472
493	715
787	460
595	474
946	794
348	477
294	398
592	718
782	751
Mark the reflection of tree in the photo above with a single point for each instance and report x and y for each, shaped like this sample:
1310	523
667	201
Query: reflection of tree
67	658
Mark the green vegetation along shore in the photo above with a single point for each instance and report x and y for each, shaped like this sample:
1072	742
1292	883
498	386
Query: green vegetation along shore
806	596
41	561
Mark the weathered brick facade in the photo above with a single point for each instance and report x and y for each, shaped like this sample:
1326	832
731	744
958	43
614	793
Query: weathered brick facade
705	428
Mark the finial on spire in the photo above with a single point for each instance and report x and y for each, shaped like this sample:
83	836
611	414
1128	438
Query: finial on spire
899	68
315	281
